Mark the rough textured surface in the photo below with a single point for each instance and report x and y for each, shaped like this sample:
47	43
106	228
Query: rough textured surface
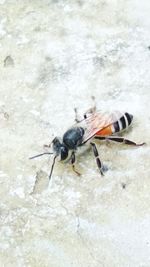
54	56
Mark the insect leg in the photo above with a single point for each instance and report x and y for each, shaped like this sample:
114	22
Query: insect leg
87	113
73	159
95	151
77	116
100	137
119	140
90	110
52	167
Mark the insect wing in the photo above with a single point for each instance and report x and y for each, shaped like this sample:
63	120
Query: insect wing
98	121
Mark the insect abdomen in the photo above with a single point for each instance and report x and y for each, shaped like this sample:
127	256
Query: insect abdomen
121	124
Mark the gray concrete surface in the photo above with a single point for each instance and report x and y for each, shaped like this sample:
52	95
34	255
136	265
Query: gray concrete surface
54	55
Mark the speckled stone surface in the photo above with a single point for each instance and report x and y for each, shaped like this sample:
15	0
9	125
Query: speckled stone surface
55	55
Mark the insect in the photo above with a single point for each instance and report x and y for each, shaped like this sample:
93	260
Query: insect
94	125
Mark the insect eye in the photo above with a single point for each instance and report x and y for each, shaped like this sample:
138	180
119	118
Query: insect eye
63	152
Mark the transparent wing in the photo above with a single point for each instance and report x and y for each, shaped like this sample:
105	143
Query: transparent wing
98	121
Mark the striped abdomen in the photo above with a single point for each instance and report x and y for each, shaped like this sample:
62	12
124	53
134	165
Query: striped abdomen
119	125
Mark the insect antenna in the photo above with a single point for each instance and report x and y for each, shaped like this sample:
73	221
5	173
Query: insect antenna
39	155
52	167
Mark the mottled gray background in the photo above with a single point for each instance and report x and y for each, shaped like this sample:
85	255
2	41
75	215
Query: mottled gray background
55	55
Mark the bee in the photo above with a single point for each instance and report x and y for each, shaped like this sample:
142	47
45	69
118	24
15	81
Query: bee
94	125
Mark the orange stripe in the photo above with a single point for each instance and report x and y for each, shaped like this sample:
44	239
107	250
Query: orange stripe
105	132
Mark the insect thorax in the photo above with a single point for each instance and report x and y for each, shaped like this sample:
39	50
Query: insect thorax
73	137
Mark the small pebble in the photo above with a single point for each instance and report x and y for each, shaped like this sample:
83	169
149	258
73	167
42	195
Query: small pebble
8	61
